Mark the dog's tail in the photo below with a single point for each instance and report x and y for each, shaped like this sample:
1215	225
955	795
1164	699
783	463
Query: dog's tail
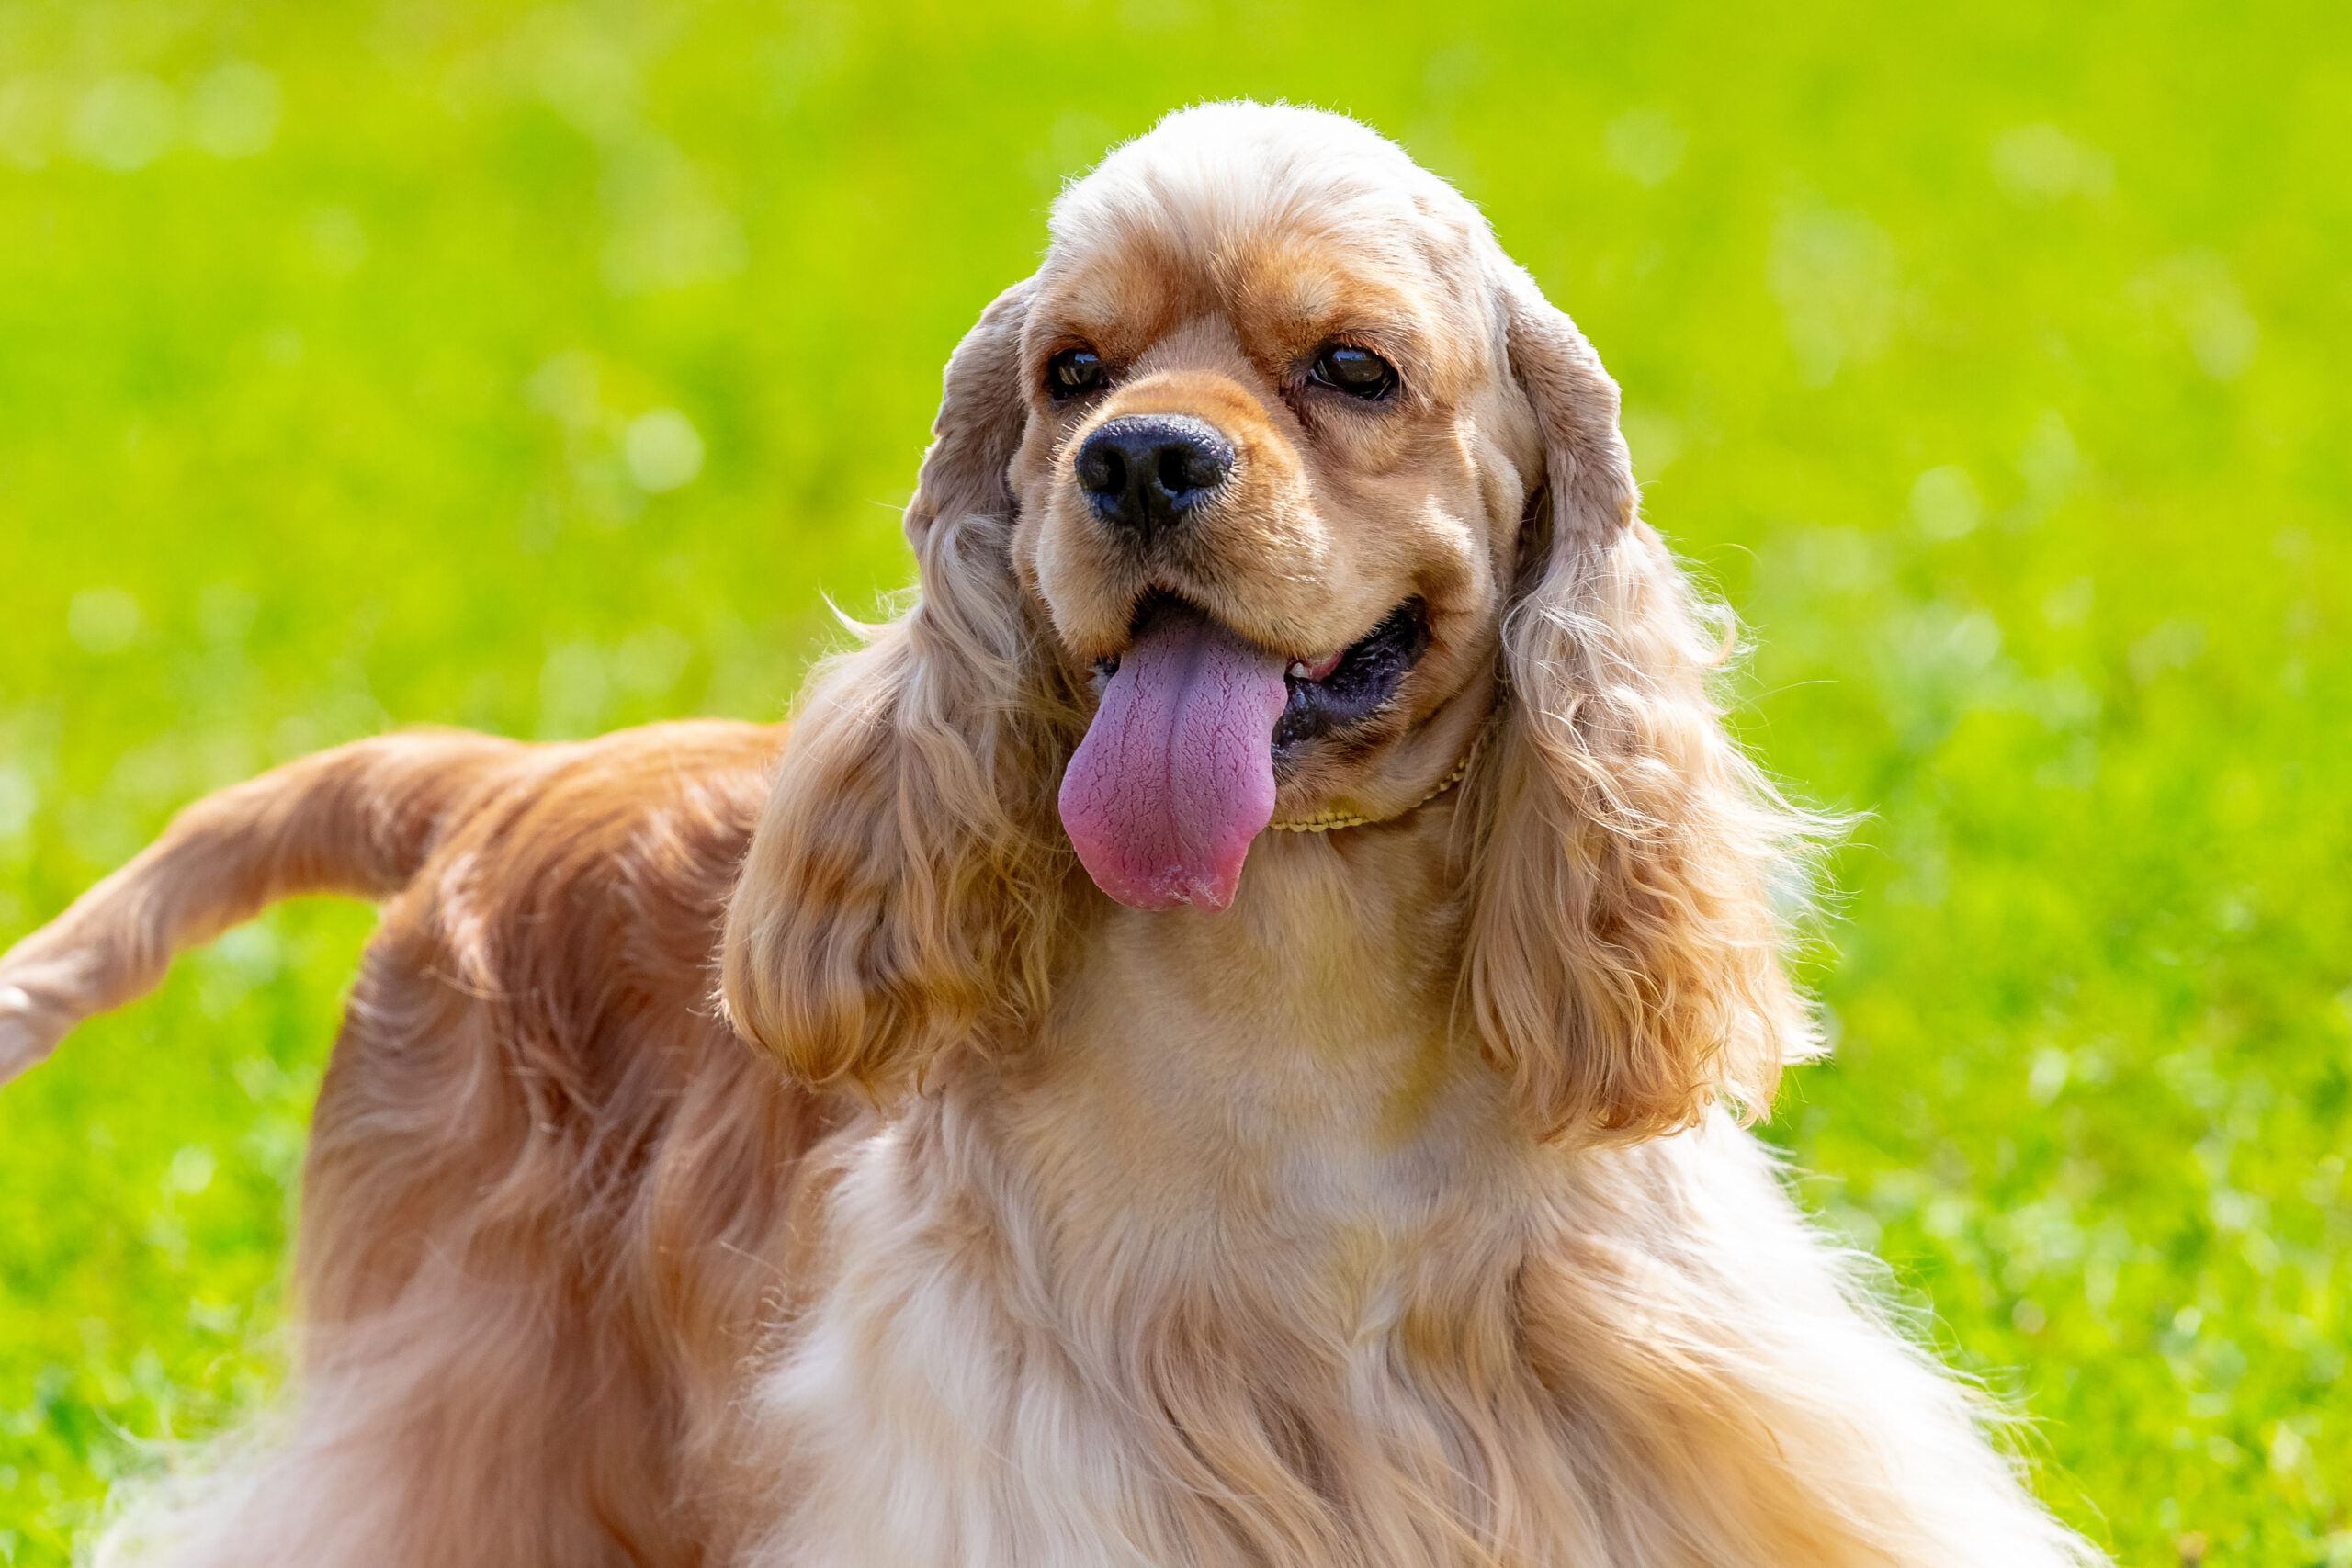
360	821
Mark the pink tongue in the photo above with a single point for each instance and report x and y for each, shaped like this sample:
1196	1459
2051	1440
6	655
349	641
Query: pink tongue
1176	774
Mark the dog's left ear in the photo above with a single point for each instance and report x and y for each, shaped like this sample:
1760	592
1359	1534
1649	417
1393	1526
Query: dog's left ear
900	891
1624	953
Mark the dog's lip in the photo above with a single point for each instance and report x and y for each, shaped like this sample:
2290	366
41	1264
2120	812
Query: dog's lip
1317	669
1310	667
1357	685
1329	692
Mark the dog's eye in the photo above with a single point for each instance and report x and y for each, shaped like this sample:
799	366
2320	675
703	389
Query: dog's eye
1357	372
1072	371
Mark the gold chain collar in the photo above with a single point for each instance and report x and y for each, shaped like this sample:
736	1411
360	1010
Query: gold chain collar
1327	821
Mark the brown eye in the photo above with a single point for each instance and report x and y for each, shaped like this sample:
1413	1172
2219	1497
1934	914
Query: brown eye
1357	372
1072	371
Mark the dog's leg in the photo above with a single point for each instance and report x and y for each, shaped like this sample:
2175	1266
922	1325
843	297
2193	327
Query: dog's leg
475	1387
459	1429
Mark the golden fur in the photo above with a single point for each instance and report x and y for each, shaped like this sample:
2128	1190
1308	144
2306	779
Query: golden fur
1390	1218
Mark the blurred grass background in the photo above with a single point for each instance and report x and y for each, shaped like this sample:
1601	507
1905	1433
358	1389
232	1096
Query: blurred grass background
538	368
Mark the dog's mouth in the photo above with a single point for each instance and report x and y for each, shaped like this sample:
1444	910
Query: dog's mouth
1344	690
1331	694
1176	775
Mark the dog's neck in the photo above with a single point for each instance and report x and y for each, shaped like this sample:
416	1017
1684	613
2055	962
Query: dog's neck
1241	1210
1286	1089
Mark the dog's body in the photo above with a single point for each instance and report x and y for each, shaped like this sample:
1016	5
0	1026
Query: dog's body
547	1189
1378	1219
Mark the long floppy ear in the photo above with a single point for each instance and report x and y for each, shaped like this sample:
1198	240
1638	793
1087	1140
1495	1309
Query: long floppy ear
1624	950
900	891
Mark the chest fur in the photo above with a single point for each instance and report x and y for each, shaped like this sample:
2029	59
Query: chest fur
981	1387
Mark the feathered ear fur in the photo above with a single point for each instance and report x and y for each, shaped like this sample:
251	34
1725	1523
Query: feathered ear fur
897	897
1625	951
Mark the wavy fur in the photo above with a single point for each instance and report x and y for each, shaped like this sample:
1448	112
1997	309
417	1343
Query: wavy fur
902	892
1395	1218
1627	868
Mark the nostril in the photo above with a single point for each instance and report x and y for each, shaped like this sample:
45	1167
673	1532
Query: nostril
1193	465
1186	468
1102	469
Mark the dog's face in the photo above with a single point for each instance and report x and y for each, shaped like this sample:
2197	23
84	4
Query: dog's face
1270	487
1301	488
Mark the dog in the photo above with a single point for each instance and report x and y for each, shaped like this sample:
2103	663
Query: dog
1216	1038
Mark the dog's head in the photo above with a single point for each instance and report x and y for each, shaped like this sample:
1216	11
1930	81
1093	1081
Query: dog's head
1277	494
1268	494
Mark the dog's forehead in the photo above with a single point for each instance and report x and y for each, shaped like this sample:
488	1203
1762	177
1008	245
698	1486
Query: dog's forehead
1286	211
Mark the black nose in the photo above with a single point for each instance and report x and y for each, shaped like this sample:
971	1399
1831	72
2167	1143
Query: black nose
1144	471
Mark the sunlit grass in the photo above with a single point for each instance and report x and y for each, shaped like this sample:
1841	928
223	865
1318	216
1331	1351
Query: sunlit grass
536	368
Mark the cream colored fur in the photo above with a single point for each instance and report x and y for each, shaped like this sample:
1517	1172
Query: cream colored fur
1397	1217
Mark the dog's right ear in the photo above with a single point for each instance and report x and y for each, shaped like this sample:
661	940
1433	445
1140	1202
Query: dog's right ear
900	891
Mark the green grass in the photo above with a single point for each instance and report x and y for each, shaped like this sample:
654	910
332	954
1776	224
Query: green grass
1990	359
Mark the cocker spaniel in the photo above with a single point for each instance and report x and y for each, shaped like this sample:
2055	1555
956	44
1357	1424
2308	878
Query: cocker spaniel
1234	1004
